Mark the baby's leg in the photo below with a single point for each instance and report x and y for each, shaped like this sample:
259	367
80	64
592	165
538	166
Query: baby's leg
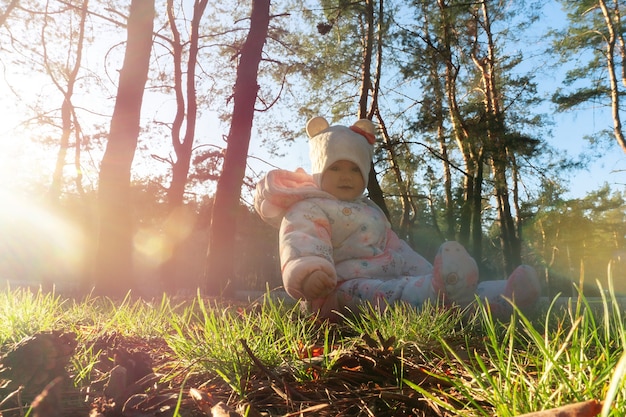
381	293
455	274
353	295
522	288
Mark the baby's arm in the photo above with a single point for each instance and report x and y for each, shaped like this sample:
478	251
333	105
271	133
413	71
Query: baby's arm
306	252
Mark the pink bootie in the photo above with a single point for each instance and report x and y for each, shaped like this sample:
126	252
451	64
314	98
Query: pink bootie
455	274
522	288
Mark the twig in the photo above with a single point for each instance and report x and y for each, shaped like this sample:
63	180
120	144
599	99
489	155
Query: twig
290	392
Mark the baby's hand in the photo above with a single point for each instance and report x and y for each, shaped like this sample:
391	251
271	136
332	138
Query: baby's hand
317	285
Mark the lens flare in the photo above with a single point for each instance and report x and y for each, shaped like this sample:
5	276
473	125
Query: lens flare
37	246
157	245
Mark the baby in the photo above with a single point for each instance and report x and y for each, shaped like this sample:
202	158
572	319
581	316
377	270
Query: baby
337	249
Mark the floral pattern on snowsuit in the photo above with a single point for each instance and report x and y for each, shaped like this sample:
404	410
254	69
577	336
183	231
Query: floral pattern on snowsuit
351	241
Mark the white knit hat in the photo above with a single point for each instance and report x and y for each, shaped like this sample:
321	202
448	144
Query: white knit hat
329	144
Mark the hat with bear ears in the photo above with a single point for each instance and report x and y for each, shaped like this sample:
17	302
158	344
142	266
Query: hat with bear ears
329	144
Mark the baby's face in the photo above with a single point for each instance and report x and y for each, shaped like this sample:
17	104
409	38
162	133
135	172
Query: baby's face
344	180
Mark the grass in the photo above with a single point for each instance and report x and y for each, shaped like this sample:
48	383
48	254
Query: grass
455	365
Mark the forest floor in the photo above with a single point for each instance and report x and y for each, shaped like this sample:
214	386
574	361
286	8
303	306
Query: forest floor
118	371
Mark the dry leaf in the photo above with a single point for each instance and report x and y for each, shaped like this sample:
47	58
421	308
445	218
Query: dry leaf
589	408
203	400
221	409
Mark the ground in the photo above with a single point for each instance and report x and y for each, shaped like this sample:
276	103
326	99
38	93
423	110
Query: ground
361	379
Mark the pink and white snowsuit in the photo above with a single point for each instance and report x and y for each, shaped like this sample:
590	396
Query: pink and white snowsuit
352	241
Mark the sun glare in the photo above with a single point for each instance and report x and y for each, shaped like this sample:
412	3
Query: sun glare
37	246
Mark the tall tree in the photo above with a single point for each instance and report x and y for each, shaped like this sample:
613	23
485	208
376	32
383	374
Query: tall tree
436	64
183	133
596	30
221	251
455	54
370	85
612	19
53	38
65	81
182	141
487	62
113	264
453	20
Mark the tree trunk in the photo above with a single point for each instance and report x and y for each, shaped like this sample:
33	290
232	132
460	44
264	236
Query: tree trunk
66	130
610	61
477	208
368	52
68	116
113	264
373	186
486	65
405	201
620	38
450	220
220	268
183	148
460	132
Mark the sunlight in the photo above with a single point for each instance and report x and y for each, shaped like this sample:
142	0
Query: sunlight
24	160
151	247
157	246
37	246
